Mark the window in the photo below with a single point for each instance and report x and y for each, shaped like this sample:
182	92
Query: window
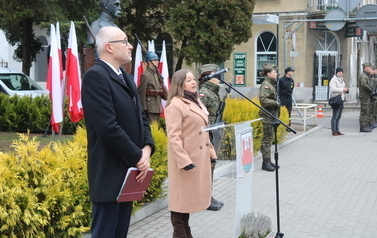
266	53
326	42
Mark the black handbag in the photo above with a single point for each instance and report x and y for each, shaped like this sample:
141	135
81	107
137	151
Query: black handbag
336	101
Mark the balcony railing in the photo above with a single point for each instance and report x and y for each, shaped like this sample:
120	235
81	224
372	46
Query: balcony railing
323	6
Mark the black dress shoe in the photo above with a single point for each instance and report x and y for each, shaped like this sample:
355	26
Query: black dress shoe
267	166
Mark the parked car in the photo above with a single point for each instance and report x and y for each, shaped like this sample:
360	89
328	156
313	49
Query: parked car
13	82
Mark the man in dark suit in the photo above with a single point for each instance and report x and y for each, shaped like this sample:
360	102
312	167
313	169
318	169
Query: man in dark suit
118	131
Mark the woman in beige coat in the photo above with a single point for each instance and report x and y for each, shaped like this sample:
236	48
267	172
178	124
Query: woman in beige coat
189	152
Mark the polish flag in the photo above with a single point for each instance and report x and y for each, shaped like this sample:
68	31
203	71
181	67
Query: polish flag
54	83
163	68
59	45
138	70
73	75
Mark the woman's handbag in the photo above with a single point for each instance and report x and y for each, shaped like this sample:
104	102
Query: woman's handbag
336	101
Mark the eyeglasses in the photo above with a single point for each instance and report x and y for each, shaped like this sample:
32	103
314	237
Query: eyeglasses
115	41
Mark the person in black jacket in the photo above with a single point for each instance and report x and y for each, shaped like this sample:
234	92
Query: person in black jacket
285	89
118	132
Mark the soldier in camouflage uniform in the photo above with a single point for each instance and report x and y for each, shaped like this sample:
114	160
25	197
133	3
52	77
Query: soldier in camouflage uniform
374	97
209	96
365	91
268	100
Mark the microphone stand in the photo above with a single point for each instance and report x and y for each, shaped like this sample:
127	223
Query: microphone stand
275	124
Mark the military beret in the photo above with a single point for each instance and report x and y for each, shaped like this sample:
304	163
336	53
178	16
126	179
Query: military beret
367	65
269	66
208	67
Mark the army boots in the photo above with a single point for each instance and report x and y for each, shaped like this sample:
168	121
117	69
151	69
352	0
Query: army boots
365	129
266	165
215	205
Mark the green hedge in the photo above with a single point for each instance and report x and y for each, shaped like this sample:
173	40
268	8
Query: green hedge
23	114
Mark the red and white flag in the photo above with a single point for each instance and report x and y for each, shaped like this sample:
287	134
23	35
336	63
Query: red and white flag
73	75
151	46
62	81
54	83
138	70
163	68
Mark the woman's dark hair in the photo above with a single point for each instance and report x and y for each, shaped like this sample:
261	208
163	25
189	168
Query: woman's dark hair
266	71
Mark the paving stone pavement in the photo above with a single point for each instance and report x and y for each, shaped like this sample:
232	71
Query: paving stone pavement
327	189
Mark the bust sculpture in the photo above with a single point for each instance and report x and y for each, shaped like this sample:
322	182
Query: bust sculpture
110	9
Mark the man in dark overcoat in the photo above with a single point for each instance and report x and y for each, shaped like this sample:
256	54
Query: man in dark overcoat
118	132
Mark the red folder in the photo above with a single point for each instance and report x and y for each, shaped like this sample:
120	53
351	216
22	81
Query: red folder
131	189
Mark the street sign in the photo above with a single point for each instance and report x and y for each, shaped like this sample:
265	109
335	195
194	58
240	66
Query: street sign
367	11
317	25
267	19
240	69
353	30
293	54
348	5
335	25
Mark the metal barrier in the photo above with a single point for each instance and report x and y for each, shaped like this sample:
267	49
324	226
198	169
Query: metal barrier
305	112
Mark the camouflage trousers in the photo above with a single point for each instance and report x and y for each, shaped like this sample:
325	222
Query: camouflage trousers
373	110
268	137
365	112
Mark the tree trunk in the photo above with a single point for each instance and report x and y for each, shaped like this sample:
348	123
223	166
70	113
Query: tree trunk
178	66
26	42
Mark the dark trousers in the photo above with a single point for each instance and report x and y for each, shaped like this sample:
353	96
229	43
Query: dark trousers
336	115
287	102
111	219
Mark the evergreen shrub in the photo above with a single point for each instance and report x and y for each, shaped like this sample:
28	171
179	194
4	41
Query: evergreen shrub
44	192
239	110
23	114
255	226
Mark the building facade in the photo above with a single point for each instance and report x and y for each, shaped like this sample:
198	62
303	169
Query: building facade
293	33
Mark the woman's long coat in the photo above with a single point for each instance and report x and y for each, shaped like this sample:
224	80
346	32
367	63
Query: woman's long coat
189	191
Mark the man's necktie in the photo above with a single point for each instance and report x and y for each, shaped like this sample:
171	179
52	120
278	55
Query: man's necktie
132	96
122	78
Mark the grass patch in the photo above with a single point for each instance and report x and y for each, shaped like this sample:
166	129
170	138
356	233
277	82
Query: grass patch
7	138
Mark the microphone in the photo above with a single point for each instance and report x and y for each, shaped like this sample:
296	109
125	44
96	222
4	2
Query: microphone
215	75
